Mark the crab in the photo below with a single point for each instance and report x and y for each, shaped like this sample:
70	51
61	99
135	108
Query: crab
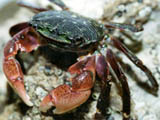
68	31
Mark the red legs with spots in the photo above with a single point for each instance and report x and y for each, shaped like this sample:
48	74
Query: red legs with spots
26	40
113	63
136	61
125	88
38	9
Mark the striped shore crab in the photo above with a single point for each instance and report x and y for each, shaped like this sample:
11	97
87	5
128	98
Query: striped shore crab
68	31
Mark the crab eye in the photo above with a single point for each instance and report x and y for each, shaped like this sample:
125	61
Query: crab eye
77	41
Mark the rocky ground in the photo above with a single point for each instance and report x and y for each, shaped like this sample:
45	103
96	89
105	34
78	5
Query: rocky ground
42	74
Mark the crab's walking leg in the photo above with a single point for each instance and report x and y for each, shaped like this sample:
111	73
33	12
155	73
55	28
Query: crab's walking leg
65	97
60	3
38	9
26	40
123	26
31	6
120	75
136	61
102	70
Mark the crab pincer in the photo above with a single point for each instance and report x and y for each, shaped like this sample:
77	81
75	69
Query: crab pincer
65	97
26	40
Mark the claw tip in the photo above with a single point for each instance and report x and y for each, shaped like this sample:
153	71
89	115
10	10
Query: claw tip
28	102
46	104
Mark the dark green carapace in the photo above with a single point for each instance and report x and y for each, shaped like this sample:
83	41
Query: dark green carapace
68	31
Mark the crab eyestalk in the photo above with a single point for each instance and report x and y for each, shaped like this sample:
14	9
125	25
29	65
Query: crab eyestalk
65	97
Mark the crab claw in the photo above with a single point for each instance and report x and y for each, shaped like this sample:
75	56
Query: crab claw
25	40
65	97
14	75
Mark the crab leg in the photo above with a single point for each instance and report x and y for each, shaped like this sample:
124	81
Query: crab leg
26	40
60	3
102	70
65	97
123	26
136	61
38	9
122	78
31	6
